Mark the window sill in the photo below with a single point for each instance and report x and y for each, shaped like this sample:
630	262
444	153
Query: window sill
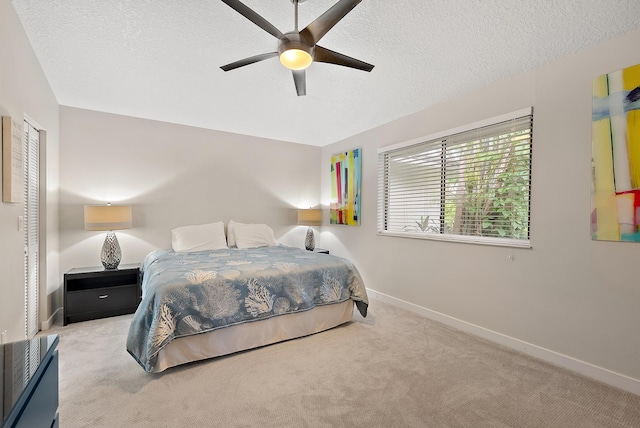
479	240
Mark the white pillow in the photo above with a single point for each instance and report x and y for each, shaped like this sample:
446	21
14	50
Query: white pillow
254	235
231	235
199	237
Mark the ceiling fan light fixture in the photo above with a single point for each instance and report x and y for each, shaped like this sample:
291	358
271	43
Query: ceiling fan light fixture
295	53
296	59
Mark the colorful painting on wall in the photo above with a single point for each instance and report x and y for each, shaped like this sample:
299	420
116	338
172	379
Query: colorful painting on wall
346	173
615	163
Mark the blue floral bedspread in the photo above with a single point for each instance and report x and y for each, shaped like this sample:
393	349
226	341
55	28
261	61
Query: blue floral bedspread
190	293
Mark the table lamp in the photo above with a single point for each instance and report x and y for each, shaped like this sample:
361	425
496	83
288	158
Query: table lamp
108	217
310	217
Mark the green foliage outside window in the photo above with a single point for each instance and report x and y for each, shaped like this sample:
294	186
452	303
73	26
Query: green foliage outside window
489	193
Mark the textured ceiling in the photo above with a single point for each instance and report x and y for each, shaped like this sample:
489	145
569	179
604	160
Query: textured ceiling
160	59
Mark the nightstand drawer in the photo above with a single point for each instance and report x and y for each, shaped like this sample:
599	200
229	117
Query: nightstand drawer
108	301
99	299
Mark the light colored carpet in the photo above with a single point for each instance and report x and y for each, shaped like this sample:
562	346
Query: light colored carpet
392	369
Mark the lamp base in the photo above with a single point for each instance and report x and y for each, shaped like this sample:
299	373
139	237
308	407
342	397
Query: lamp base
310	240
111	254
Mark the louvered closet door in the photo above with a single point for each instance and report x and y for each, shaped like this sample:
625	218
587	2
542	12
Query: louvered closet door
31	209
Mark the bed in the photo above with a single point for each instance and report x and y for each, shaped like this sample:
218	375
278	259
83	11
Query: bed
202	304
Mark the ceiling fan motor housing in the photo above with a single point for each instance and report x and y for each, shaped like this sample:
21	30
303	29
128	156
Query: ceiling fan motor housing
293	40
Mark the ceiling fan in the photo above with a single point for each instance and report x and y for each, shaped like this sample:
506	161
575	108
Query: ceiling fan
298	49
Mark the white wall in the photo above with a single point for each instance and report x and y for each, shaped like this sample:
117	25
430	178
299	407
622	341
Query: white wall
24	90
567	294
175	175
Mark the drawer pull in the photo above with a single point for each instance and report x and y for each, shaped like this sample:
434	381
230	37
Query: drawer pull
104	296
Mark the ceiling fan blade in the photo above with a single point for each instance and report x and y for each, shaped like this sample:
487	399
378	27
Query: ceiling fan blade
325	22
299	78
252	16
247	61
331	57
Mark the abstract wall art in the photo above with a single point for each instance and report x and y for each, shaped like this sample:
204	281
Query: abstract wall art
346	173
615	156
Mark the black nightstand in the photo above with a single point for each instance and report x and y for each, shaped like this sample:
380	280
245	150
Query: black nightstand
321	251
91	293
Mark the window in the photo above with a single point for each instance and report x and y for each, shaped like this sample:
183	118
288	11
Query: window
471	184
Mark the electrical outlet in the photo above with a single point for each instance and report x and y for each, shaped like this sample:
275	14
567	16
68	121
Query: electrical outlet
3	337
20	223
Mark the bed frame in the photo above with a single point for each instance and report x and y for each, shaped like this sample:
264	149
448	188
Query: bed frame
251	335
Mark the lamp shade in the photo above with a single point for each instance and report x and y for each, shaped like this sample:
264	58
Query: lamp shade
310	217
107	217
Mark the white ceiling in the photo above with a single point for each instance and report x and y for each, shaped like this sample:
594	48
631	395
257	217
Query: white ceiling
160	59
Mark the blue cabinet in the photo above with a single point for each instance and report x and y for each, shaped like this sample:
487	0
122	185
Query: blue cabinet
29	388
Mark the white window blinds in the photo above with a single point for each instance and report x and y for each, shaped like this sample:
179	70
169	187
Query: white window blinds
472	185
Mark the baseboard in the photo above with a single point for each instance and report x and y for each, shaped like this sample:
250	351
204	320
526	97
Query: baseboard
46	325
587	369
